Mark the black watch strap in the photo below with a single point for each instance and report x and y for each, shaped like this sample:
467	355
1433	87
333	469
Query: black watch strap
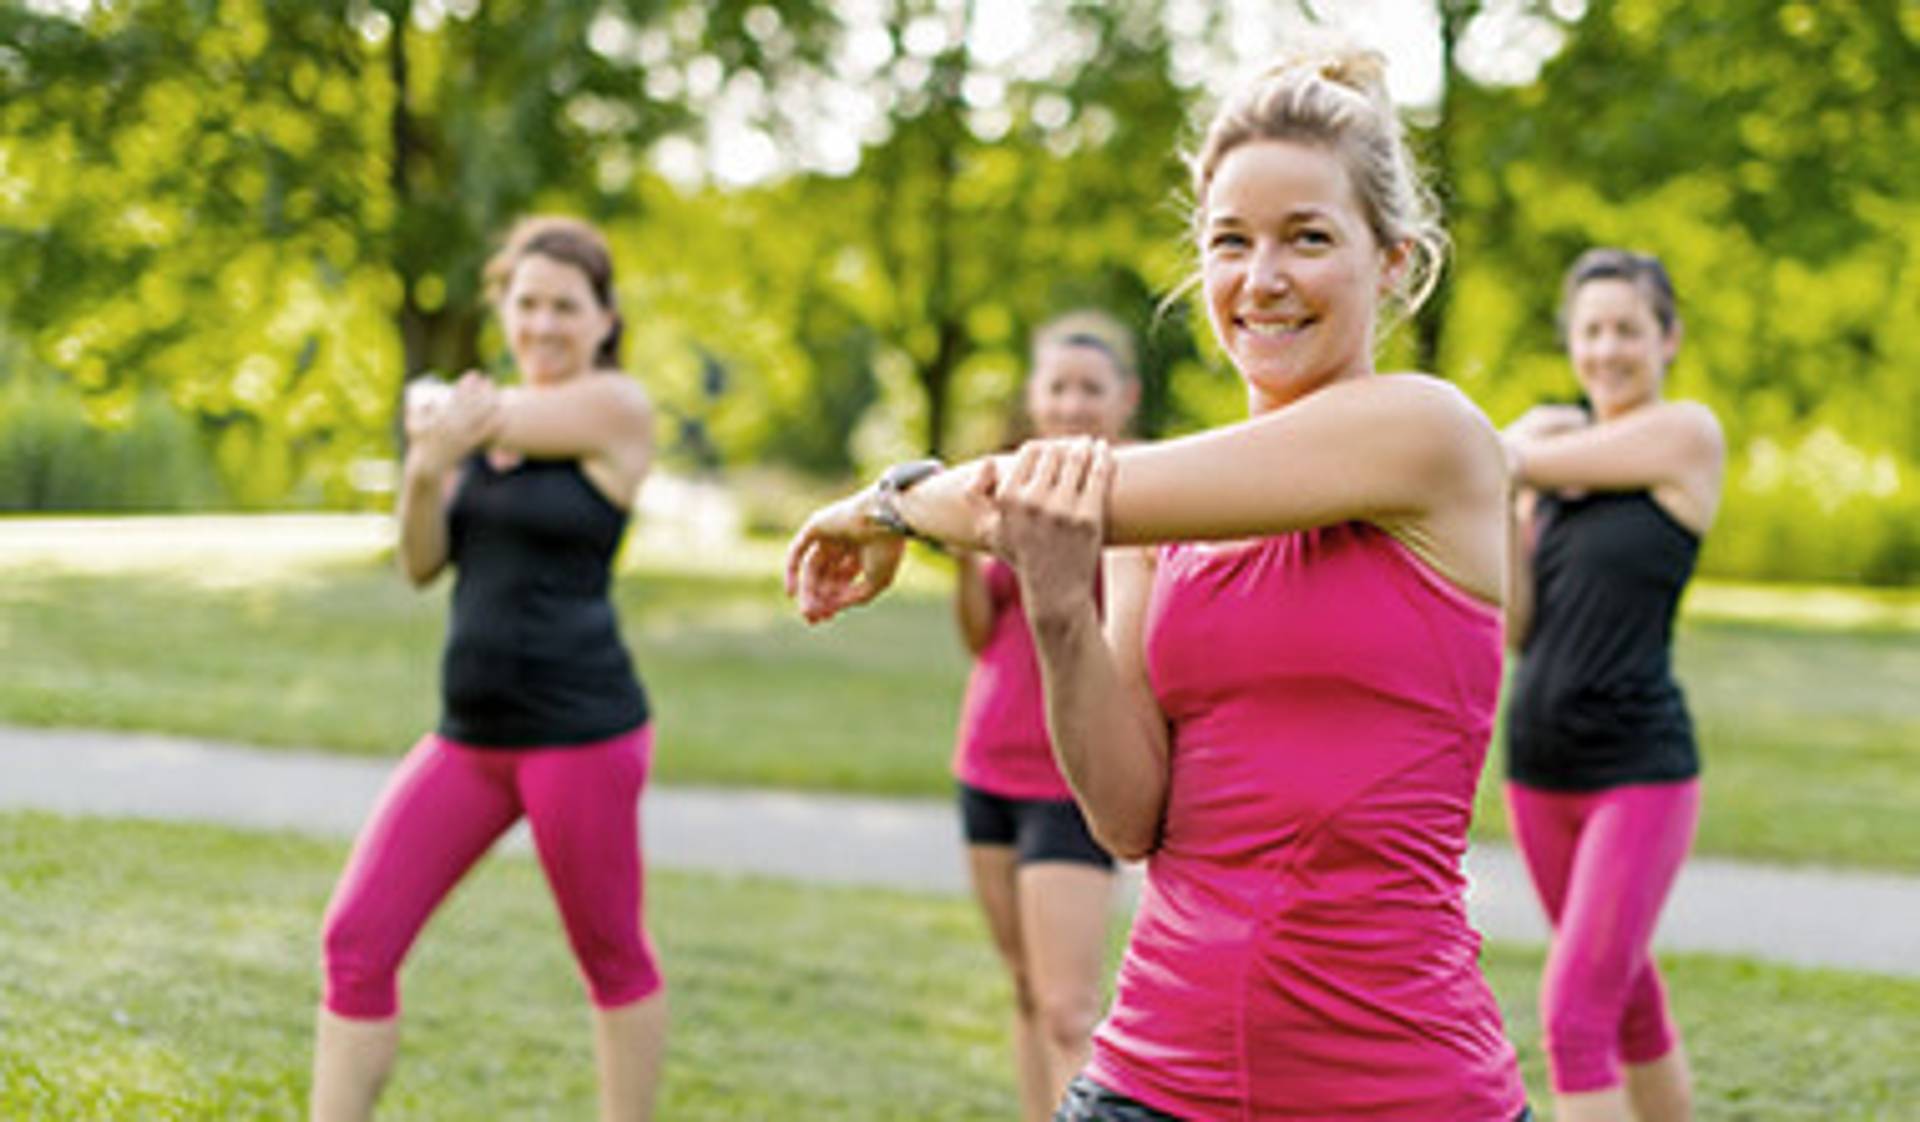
894	482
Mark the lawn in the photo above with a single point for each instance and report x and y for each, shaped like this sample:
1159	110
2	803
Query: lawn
167	972
1805	700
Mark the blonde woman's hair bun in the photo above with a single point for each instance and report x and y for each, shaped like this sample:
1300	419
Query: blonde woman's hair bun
1360	69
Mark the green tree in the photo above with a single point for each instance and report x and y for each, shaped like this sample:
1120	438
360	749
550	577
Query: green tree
255	203
1768	152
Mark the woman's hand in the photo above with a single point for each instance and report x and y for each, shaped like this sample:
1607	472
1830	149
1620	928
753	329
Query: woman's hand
1050	523
1544	421
841	558
442	429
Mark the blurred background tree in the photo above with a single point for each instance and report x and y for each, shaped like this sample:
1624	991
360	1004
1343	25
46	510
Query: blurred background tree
238	226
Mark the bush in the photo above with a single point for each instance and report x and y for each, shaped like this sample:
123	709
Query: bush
1817	509
61	452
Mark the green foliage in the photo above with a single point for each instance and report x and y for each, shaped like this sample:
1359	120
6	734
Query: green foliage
274	211
1781	197
113	452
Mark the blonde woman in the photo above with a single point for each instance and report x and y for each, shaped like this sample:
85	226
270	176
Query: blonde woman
1287	709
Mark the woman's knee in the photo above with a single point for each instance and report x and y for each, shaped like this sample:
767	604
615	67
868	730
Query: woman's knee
620	973
1066	1017
361	969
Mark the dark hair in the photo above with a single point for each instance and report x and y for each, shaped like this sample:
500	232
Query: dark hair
1096	330
1091	328
1642	270
571	242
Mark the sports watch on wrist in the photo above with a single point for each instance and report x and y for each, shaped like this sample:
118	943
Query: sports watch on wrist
894	482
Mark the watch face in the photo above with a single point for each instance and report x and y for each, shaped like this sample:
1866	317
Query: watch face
901	476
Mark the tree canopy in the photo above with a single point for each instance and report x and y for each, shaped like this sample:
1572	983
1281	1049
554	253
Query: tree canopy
837	222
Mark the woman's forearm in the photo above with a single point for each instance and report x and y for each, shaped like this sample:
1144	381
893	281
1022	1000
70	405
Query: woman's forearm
945	507
972	603
1519	602
1101	736
423	521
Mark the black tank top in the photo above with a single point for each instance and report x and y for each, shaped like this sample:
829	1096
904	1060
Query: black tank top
1594	701
533	653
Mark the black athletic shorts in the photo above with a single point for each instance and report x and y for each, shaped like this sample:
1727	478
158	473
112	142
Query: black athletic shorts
1039	829
1087	1101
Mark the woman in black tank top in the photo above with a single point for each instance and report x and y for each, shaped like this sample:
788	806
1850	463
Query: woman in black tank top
1611	503
524	493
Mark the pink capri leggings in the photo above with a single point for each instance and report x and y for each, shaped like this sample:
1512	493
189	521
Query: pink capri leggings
1603	863
444	807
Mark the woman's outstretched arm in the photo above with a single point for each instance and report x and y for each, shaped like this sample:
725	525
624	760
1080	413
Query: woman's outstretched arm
1405	452
603	414
1676	445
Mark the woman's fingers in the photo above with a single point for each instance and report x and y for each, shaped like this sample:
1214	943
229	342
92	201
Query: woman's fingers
1025	463
986	478
1075	459
1049	476
1092	503
797	555
827	573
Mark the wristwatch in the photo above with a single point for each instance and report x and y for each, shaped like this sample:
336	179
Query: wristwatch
894	482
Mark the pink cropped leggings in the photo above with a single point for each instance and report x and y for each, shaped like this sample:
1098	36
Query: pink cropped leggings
1603	863
443	808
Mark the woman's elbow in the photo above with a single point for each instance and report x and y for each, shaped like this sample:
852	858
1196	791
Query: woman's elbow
1127	843
419	574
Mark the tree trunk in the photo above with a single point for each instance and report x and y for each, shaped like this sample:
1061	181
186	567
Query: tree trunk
936	377
444	340
1430	325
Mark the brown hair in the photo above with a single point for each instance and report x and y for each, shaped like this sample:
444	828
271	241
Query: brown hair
1337	99
1083	327
1642	270
1091	328
571	242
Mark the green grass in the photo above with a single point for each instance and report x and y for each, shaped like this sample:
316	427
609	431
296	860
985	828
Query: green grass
1805	701
1810	742
168	972
344	656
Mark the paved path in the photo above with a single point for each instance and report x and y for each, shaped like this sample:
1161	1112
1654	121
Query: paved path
1816	917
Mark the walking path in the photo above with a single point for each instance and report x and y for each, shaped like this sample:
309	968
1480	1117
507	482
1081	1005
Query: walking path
1806	916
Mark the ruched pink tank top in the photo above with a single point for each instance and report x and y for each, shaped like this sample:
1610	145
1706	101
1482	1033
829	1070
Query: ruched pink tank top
1001	746
1302	950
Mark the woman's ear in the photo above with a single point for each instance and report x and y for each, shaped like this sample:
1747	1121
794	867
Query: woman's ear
1395	260
1670	346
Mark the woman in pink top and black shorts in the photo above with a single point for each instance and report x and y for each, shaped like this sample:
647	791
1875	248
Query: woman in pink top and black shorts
1285	708
1044	885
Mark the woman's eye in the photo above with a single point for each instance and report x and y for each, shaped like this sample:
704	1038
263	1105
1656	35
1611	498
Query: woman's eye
1313	237
1227	241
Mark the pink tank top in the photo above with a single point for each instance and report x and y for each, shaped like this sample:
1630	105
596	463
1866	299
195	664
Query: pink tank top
1302	948
1002	744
